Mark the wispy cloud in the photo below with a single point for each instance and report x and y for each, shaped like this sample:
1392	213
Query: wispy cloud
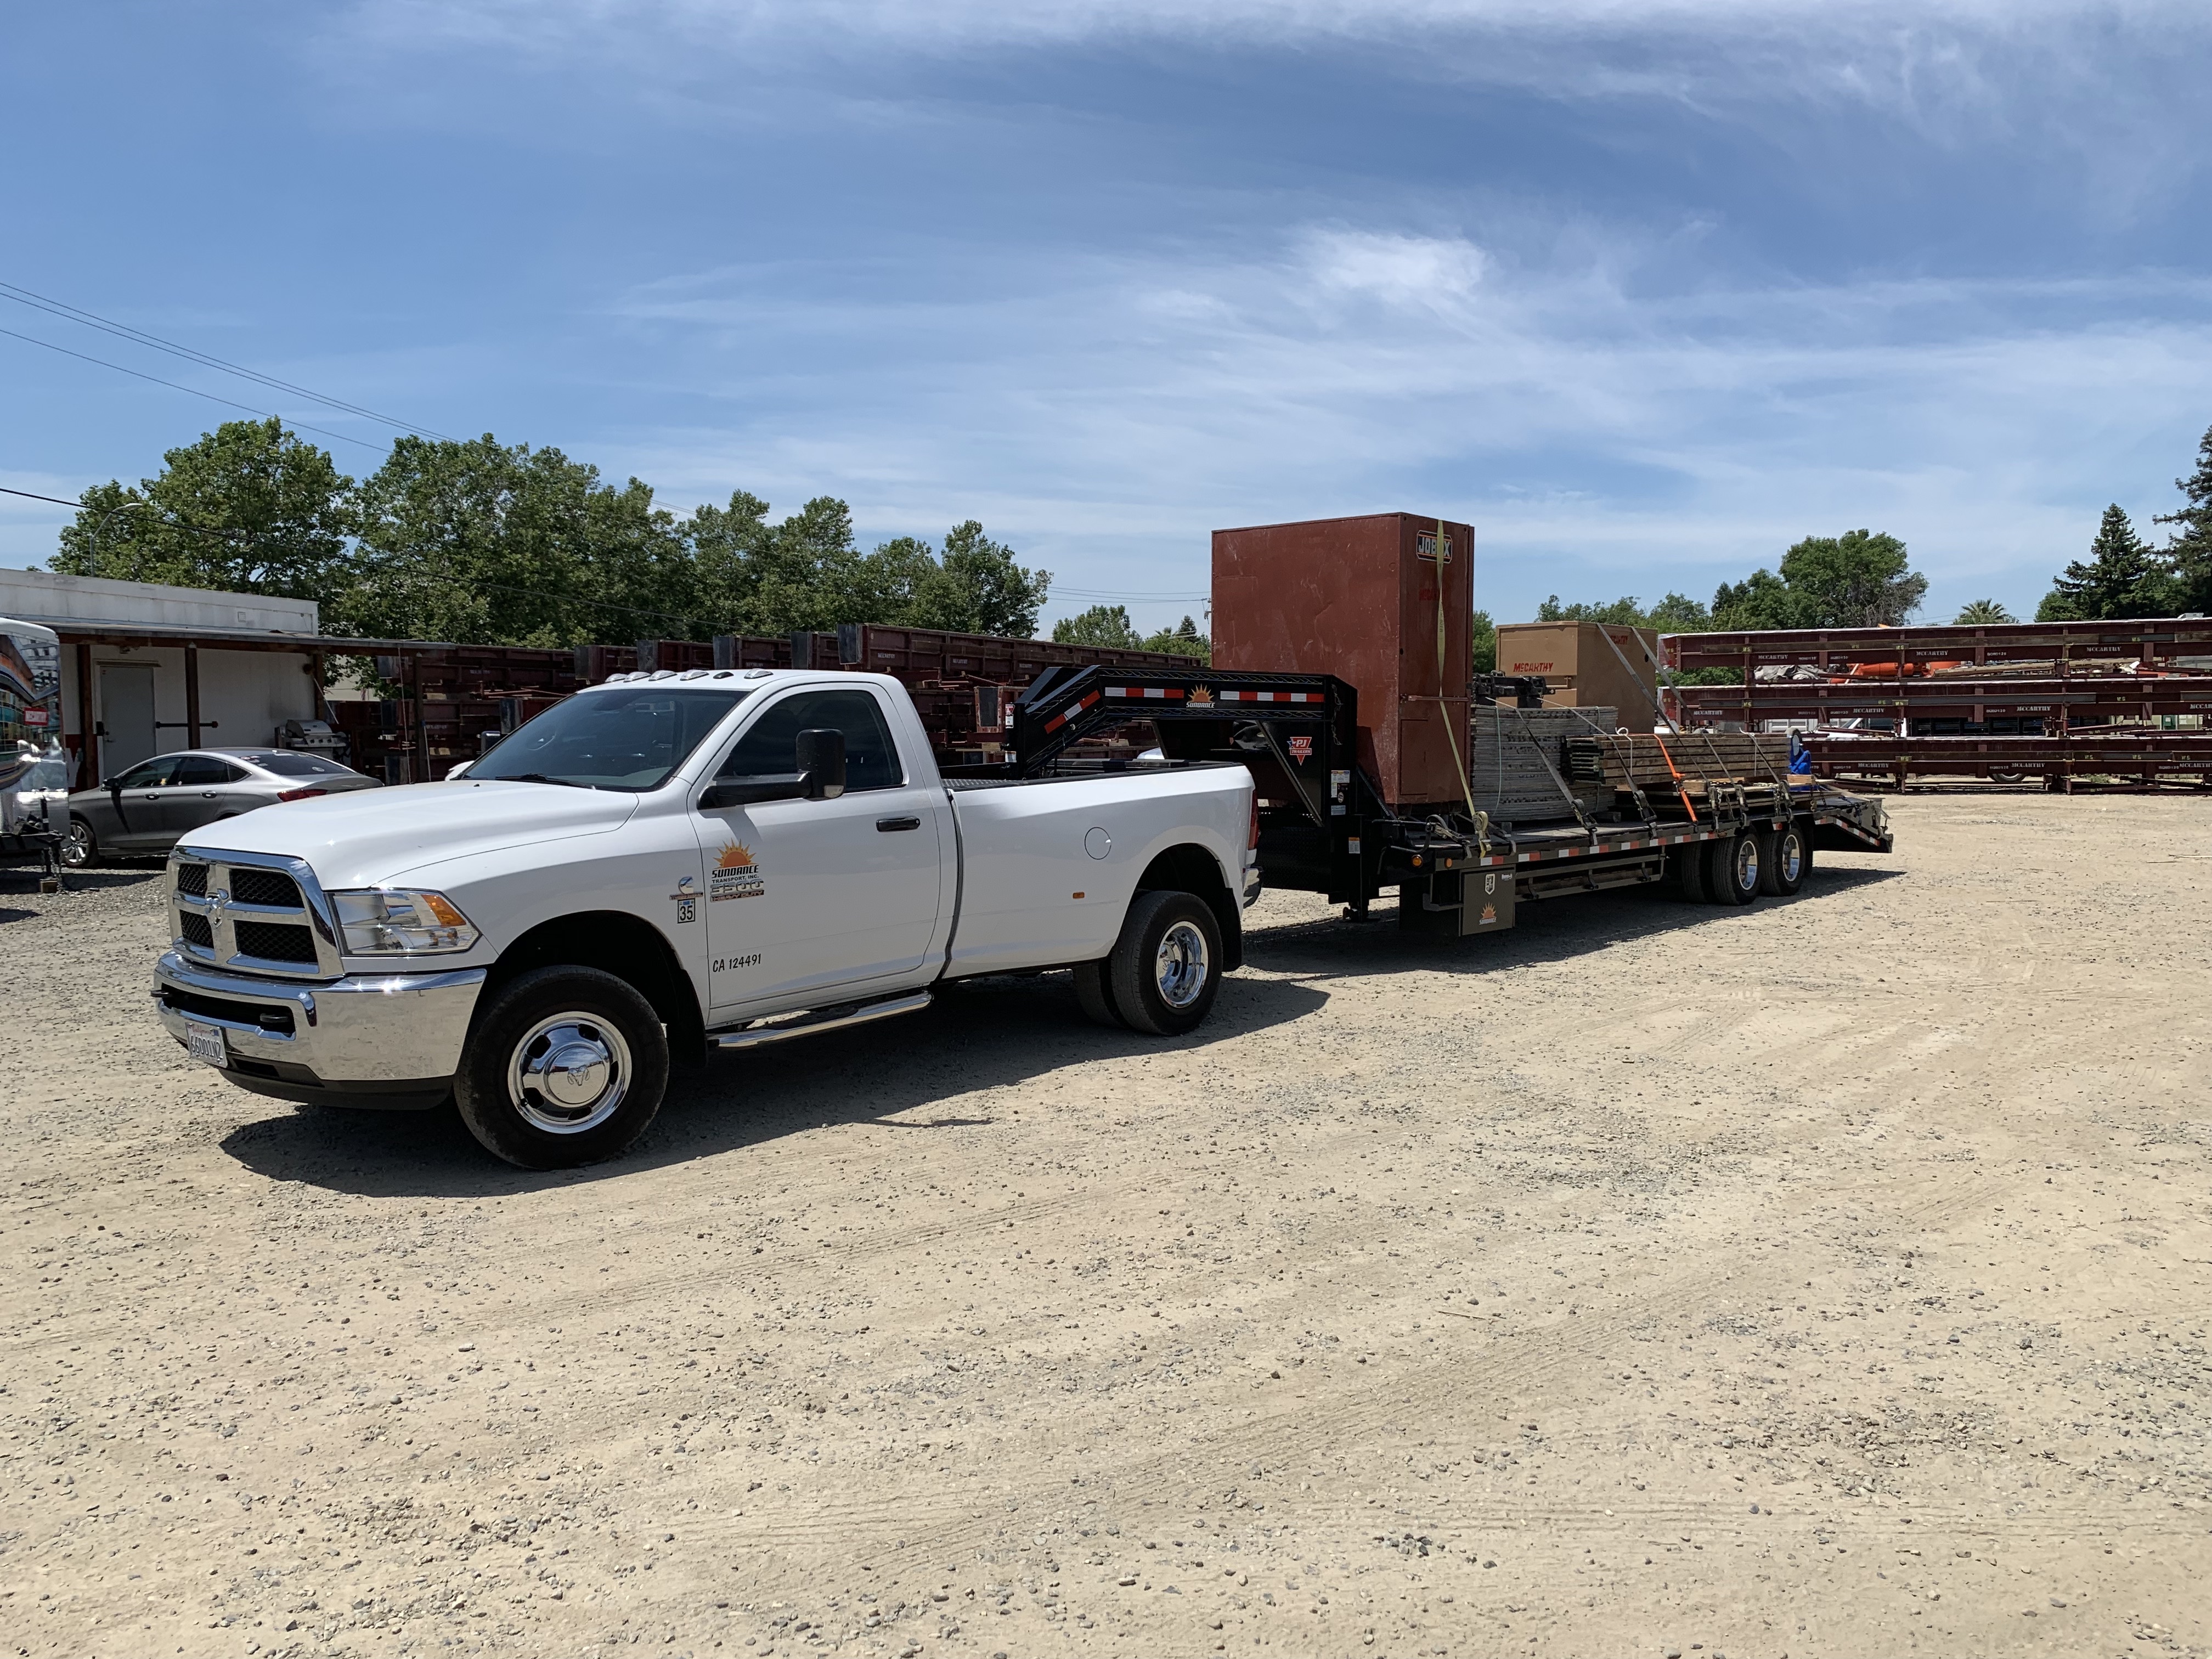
1598	435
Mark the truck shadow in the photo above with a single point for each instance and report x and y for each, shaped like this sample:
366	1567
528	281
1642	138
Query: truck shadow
1551	930
986	1035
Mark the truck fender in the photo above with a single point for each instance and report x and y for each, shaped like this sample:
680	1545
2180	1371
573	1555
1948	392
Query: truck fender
1192	869
628	947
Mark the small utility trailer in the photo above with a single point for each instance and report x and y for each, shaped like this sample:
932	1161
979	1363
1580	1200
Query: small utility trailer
1324	826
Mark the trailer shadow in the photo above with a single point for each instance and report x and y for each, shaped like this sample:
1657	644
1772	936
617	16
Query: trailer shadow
901	1073
24	878
1551	930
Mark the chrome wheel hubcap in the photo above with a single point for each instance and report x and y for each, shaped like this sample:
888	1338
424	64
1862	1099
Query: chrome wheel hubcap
77	846
570	1073
1747	866
1180	966
1793	857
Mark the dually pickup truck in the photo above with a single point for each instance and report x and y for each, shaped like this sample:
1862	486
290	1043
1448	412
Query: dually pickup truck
670	864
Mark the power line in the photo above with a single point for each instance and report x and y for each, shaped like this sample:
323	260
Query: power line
176	386
27	495
140	337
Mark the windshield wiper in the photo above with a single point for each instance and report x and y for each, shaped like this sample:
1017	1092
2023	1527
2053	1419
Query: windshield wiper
539	777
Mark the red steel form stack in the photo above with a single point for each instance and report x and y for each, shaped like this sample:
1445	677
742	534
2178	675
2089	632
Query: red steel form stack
1919	675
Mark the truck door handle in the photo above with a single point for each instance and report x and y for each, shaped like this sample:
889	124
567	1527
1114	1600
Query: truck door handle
887	825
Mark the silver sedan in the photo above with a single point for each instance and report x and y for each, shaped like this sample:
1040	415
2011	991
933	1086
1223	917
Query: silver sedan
149	807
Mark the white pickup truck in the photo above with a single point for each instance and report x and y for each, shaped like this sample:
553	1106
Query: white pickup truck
669	864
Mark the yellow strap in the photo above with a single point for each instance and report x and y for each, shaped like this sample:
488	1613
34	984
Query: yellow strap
1482	820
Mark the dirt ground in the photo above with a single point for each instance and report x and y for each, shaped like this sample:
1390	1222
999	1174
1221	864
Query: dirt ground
1828	1277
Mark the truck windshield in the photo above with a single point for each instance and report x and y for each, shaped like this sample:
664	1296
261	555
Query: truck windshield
630	739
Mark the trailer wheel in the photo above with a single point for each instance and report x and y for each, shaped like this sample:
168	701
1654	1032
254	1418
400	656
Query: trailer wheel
1094	989
1732	869
566	1065
1690	872
1784	855
1166	966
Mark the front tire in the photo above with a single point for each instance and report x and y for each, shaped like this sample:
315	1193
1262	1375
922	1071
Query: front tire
1166	966
80	846
566	1065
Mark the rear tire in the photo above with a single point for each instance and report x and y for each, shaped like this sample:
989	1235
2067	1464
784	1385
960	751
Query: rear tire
1784	856
1166	966
1732	869
566	1065
1094	989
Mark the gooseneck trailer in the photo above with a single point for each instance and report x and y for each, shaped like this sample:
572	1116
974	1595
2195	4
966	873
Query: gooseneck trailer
1326	827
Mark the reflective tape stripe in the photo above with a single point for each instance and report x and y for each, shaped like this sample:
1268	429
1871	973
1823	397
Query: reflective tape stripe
1143	691
1062	719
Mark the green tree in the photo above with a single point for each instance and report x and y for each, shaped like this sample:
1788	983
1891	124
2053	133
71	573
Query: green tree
2123	576
1977	612
1183	639
249	508
1676	613
1102	624
1624	612
480	541
2189	553
975	586
1762	599
1860	579
807	573
1483	639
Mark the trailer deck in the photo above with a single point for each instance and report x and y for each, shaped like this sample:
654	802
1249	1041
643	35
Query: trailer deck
1324	826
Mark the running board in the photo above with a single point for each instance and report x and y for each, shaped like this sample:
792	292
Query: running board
827	1019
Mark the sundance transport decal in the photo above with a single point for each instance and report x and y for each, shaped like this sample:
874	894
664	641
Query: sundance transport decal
735	876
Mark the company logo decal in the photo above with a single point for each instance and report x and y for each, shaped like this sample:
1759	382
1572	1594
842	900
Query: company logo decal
1200	695
735	875
1301	749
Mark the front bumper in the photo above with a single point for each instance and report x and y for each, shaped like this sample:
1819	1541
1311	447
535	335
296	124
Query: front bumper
366	1040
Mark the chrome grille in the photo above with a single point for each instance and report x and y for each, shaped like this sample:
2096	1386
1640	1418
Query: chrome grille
252	911
272	887
274	942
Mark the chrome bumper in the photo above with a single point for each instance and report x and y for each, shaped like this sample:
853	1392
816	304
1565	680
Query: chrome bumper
386	1030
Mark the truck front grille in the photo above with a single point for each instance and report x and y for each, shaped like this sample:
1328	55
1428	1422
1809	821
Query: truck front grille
271	887
262	915
275	942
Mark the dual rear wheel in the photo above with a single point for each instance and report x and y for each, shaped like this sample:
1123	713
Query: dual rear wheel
1163	972
1737	869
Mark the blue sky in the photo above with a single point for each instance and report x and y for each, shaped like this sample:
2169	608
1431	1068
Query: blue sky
1645	291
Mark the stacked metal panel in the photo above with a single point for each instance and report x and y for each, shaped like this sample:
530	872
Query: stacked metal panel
1517	767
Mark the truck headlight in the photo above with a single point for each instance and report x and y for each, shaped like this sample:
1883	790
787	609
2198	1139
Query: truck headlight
389	921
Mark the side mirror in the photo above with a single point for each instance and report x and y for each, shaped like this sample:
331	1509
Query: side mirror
821	761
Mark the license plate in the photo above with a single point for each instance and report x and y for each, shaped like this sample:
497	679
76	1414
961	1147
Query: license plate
206	1042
